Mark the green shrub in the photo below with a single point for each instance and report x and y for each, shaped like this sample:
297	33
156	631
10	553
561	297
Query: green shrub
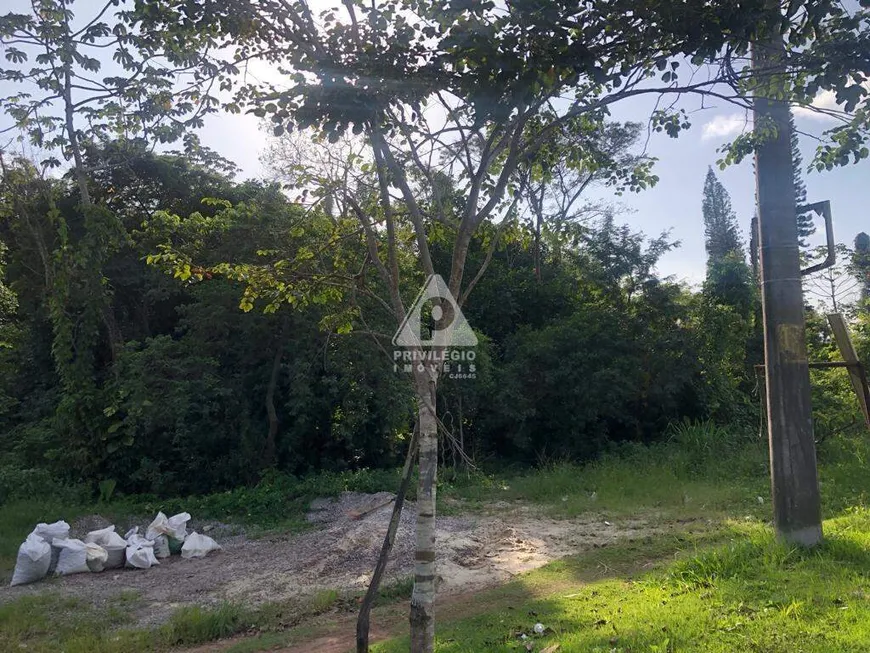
35	483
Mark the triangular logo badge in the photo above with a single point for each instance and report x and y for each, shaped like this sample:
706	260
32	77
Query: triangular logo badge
450	328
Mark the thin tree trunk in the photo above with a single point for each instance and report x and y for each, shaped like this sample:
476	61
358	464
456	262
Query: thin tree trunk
539	219
362	622
270	447
422	615
113	332
69	123
461	430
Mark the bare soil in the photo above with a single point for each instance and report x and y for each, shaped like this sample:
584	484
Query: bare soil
475	550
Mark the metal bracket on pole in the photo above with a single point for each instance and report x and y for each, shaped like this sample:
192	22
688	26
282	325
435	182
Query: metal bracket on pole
823	209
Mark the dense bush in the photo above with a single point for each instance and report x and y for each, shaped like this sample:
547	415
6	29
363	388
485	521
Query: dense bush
181	392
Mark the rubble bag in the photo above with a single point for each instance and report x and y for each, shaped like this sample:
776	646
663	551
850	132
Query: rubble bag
178	526
116	556
49	532
34	557
102	536
97	556
73	558
174	528
175	545
114	544
161	546
160	526
198	546
141	557
140	551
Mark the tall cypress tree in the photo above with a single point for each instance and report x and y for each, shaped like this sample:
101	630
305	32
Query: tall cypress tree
729	279
805	225
721	233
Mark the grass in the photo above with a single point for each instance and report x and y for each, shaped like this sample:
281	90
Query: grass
730	587
48	623
701	470
717	582
745	593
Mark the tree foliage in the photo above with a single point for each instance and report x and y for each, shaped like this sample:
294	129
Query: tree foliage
721	232
806	227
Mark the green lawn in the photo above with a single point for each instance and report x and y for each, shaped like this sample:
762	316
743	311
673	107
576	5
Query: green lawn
733	589
730	587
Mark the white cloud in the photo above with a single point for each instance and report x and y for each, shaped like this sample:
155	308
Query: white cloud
826	100
725	126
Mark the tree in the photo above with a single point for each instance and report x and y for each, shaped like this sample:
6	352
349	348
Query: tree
66	107
499	79
861	264
836	288
51	51
551	187
8	303
806	227
485	148
729	279
729	282
185	406
721	232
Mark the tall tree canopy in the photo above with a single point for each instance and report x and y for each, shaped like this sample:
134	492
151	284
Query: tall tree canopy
806	226
721	231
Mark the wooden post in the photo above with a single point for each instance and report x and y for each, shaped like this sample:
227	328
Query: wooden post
850	356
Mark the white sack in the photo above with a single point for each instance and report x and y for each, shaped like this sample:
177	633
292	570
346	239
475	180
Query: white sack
48	532
159	526
34	557
178	525
73	557
141	557
198	546
117	555
97	556
140	551
105	537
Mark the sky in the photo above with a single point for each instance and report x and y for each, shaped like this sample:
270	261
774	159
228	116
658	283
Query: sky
674	204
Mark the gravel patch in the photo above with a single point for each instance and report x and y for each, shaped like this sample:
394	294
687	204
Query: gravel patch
475	550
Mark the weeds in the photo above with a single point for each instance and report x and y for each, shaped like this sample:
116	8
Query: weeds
194	625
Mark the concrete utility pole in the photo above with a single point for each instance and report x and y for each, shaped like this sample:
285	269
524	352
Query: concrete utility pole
794	479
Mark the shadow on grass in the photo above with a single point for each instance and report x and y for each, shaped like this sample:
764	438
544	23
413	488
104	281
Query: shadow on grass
728	588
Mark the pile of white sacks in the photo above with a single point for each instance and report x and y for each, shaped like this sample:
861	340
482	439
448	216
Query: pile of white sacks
50	550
